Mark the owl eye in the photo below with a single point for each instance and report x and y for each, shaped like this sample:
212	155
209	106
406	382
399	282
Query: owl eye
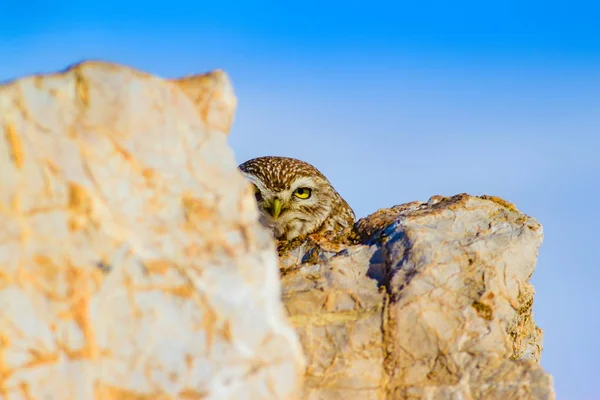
257	193
302	193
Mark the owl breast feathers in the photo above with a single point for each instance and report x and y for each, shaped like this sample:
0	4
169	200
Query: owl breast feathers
295	198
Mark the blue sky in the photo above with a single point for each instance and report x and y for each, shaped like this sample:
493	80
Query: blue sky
394	102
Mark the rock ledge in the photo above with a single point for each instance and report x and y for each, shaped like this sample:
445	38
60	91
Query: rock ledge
429	300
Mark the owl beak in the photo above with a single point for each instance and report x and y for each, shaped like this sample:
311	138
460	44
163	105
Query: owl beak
276	208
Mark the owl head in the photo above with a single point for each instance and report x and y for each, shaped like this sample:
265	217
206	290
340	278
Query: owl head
294	198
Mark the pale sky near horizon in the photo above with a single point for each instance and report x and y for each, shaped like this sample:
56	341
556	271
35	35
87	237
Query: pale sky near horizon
393	103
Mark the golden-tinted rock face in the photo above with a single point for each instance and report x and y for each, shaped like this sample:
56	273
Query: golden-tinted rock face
132	263
434	302
213	96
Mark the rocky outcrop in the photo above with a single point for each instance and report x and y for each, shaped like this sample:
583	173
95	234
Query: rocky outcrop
132	265
430	301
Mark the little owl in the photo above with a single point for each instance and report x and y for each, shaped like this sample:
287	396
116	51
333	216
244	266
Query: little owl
295	198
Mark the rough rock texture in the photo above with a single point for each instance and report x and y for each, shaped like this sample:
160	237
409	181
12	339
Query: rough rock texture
132	265
431	301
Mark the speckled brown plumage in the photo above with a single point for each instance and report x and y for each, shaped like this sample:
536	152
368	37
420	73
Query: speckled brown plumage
284	180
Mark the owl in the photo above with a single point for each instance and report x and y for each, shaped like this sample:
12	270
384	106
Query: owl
295	198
